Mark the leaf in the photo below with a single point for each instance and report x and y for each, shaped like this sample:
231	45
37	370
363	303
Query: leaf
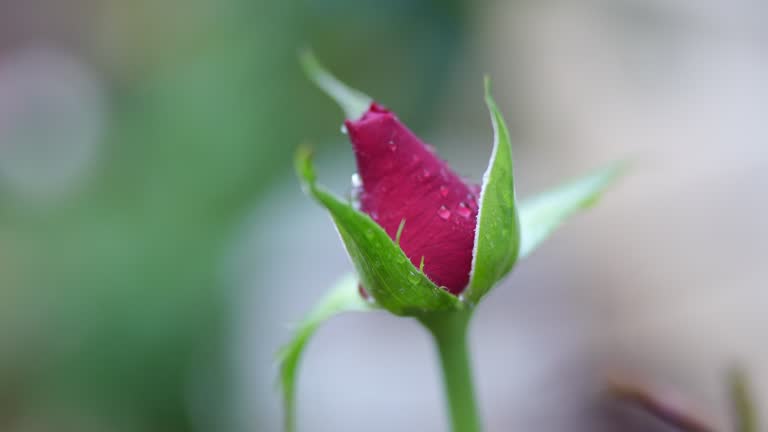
497	237
343	297
540	215
383	268
353	102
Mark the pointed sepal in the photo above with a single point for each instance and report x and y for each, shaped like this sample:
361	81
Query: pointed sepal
497	236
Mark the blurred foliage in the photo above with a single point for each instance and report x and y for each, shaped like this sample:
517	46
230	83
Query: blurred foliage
114	310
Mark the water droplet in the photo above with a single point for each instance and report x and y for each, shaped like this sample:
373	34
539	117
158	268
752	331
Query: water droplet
444	191
374	215
392	146
444	213
507	195
444	173
413	277
369	234
463	211
356	180
426	174
343	128
472	203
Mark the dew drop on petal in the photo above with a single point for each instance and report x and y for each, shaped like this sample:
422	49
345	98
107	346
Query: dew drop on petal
463	211
356	180
444	213
392	146
444	191
444	172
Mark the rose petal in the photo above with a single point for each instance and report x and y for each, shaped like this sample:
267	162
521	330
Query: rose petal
402	178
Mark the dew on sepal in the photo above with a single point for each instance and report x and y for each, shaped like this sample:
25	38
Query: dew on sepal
413	277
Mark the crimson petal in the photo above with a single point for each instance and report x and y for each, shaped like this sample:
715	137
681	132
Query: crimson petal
403	179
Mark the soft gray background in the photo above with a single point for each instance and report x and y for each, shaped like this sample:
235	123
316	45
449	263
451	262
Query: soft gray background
664	279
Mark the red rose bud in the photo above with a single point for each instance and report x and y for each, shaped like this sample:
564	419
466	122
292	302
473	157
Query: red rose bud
403	179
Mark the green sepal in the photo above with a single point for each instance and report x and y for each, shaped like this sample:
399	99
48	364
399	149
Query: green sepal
353	102
497	236
383	268
542	214
343	297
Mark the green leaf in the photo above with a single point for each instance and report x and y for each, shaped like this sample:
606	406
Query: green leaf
344	297
353	102
383	268
497	237
540	215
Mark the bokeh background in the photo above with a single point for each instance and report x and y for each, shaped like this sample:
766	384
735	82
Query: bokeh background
155	248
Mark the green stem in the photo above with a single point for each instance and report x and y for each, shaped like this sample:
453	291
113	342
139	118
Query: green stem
449	331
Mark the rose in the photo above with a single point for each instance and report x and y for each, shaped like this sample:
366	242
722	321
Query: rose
415	197
420	228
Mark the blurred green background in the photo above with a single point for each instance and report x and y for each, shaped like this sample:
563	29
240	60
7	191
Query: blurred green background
137	137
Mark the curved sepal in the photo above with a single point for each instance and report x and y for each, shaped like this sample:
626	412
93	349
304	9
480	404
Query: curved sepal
384	270
541	215
353	102
497	236
343	297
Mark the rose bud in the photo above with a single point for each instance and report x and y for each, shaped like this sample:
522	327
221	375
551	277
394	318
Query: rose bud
424	243
404	182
